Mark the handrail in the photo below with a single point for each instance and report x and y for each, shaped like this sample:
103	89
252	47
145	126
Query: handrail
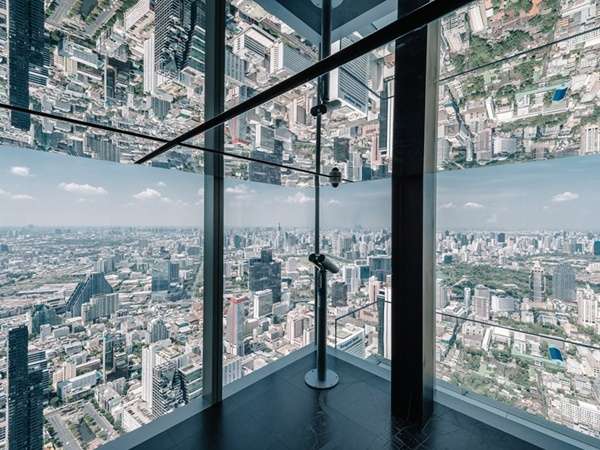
401	27
482	322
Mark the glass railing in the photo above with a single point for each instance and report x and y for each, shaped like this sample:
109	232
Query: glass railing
548	376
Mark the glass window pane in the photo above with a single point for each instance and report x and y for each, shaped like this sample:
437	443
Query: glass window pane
269	299
516	295
101	285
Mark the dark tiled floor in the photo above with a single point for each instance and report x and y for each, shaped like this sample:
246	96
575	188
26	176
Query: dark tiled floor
281	412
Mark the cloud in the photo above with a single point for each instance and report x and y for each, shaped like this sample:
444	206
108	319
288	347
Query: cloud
201	192
161	184
22	197
241	189
148	194
82	189
299	198
448	205
11	196
20	171
333	202
473	205
565	197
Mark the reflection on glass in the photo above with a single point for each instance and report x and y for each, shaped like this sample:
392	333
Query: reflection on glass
135	65
101	284
518	246
539	105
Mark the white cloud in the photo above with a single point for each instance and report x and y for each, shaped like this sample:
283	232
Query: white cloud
201	192
20	171
161	184
473	205
565	197
11	196
241	189
333	202
148	194
82	189
300	198
448	205
22	197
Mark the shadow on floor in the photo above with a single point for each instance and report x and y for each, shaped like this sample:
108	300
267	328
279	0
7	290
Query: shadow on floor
280	412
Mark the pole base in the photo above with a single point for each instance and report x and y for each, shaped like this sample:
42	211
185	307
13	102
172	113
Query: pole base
330	381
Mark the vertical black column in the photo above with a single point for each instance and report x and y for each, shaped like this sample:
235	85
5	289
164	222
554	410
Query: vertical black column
212	352
413	222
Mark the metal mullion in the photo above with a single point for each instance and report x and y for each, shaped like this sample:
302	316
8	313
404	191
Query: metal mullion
212	352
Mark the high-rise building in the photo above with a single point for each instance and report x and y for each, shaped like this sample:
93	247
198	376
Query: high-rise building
349	83
380	266
167	393
113	353
265	273
537	282
587	307
352	278
234	332
590	139
286	60
28	55
94	284
262	303
339	293
42	315
179	37
190	378
441	297
596	248
481	299
564	282
158	330
25	393
341	149
148	363
149	66
467	295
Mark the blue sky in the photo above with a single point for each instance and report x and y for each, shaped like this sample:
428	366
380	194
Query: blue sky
52	189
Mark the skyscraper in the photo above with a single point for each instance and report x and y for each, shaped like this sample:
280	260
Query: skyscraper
596	248
339	293
265	273
27	54
179	33
25	394
537	282
481	299
94	284
348	84
380	266
564	283
158	330
234	333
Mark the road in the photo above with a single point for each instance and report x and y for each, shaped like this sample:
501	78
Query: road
61	11
65	436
